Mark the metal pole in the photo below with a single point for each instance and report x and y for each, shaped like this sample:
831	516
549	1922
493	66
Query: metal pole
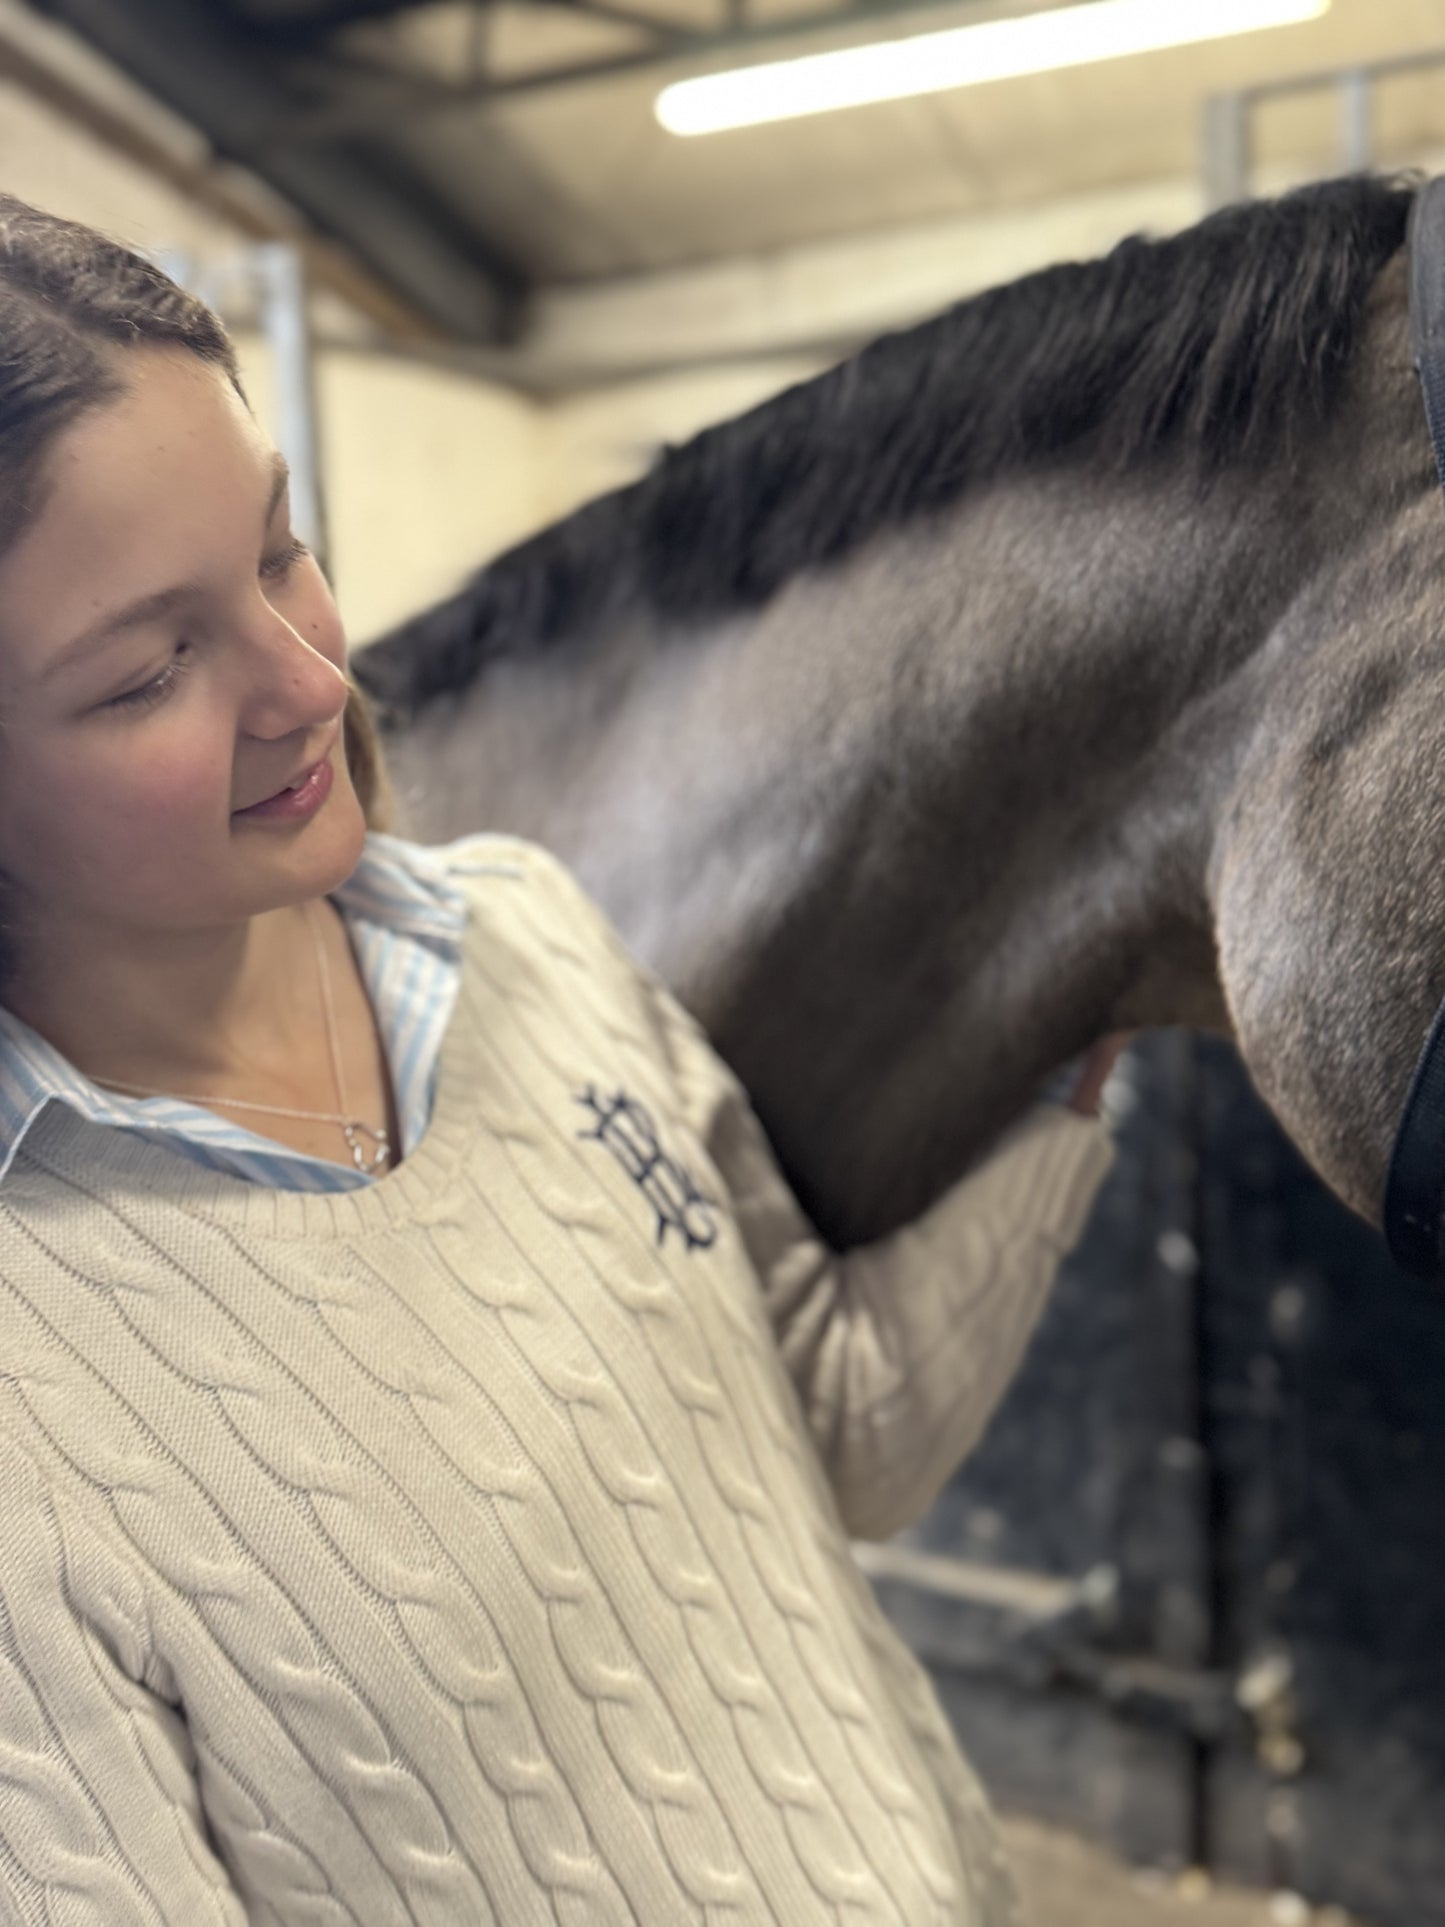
272	275
1226	149
285	316
1355	120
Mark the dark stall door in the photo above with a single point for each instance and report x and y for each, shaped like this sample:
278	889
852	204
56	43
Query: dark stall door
1188	1596
1325	1390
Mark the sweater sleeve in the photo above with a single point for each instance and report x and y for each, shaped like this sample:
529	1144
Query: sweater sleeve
100	1812
900	1350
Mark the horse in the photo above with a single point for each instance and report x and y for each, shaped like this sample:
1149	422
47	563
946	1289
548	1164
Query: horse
1073	662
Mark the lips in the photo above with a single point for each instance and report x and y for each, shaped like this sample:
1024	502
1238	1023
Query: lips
295	782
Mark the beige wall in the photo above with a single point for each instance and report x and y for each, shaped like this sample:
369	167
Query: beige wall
427	473
430	473
51	161
606	437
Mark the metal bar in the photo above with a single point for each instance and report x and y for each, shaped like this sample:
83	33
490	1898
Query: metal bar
1034	1630
1187	1611
1329	77
1228	118
1030	1595
285	20
281	274
630	17
272	279
1355	125
1226	149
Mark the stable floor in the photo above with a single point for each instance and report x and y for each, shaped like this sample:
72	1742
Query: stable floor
1067	1883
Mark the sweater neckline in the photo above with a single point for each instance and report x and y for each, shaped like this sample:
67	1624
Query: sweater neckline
108	1158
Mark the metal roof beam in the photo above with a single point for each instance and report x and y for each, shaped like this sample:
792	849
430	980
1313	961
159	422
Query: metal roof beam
214	76
41	59
620	16
399	91
306	21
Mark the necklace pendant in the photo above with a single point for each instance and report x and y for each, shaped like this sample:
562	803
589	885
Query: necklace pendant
358	1154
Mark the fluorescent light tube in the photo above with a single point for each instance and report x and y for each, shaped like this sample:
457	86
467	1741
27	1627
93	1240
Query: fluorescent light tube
963	57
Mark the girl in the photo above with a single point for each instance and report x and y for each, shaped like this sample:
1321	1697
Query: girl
429	1432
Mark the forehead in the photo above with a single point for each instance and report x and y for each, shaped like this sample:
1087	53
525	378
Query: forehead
178	423
134	495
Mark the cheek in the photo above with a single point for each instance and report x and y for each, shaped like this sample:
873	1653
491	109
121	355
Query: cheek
163	790
114	829
155	827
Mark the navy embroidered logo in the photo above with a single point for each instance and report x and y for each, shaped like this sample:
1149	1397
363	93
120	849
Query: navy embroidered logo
627	1129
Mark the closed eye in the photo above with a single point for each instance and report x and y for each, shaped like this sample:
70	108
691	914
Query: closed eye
275	568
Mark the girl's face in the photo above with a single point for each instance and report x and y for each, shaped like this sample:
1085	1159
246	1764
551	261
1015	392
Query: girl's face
126	749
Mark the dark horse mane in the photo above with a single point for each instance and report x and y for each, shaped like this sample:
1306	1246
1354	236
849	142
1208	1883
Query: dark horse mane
1220	339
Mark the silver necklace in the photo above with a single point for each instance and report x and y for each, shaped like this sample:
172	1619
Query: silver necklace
352	1126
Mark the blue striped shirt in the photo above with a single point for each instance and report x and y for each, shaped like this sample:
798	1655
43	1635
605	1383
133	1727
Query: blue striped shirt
406	923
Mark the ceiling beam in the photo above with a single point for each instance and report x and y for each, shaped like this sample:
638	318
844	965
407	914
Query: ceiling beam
36	58
306	21
304	24
633	18
214	77
399	90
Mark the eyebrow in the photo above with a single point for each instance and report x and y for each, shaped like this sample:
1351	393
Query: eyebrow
134	615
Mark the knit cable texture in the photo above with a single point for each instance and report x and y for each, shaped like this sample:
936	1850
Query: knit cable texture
473	1546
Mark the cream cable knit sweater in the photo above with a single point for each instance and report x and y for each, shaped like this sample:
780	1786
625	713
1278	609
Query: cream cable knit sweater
472	1546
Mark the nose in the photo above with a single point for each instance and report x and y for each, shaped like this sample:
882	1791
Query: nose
290	684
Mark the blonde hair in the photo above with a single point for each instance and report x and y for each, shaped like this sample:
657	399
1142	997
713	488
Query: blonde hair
370	777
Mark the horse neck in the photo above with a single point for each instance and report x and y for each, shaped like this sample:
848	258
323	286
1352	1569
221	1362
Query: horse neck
939	814
1022	793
